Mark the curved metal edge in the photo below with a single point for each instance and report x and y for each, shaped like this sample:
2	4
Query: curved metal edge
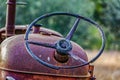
46	74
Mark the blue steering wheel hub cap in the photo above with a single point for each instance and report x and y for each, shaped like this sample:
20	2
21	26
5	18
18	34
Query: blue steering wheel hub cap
63	46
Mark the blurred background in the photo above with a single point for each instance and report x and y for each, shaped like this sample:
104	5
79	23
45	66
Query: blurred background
105	12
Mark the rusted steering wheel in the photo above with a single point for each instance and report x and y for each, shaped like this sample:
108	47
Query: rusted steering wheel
63	46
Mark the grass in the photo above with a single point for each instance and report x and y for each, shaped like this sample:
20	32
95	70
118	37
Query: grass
107	67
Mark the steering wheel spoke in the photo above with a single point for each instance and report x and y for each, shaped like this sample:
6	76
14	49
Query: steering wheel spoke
42	44
77	58
73	29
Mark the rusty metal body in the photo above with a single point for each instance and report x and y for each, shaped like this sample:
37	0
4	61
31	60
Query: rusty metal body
16	62
35	76
21	29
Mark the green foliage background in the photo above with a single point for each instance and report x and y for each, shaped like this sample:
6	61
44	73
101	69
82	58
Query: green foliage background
104	12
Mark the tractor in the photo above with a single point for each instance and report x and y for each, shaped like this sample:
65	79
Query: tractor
32	52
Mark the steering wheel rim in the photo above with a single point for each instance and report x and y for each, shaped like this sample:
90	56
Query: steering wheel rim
68	14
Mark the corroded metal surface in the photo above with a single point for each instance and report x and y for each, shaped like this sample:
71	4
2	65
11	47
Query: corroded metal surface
91	71
15	57
21	76
10	17
21	29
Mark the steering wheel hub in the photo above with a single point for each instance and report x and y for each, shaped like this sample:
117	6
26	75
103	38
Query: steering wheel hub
63	46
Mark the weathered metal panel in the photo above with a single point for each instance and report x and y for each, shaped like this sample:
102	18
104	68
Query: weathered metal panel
21	76
14	56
